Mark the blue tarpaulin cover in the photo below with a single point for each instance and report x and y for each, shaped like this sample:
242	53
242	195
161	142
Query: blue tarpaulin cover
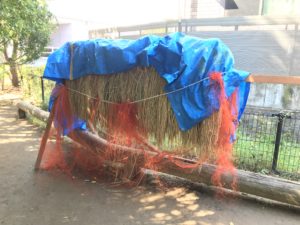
180	59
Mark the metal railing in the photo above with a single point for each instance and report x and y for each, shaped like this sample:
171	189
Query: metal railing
192	25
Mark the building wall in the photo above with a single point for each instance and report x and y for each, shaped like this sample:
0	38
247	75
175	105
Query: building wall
74	31
245	8
61	34
281	7
202	9
64	32
210	9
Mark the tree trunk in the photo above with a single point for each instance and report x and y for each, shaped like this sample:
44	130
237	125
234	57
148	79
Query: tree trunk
12	62
14	74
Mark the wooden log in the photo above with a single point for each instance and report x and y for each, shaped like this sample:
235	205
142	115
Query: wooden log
150	178
33	110
274	188
268	187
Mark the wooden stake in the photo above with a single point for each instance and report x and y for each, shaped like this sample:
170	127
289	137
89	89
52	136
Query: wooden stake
45	137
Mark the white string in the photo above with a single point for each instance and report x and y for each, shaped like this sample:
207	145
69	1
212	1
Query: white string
81	93
144	99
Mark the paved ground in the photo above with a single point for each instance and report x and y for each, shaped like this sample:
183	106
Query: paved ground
29	198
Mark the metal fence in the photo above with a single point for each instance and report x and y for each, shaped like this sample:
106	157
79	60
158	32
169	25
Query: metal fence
269	141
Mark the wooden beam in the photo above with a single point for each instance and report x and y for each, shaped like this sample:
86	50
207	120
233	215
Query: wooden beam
271	79
273	188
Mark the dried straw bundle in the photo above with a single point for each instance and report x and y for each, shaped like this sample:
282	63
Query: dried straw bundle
155	115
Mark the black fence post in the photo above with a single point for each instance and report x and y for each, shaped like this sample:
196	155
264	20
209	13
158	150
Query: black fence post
42	87
277	141
281	117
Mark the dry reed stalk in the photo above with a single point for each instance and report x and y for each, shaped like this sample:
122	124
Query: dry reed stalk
155	115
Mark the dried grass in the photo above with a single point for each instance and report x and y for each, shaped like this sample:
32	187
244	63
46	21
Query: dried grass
156	114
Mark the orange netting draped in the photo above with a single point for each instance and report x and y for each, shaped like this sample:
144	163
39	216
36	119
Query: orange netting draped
125	165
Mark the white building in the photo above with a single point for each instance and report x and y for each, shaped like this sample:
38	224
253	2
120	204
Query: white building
69	30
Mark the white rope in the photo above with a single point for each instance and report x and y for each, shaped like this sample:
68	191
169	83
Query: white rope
144	99
81	93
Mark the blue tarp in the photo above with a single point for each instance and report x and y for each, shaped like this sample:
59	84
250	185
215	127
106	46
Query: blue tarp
178	58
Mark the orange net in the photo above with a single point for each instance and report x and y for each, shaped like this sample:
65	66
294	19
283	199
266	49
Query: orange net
227	128
126	151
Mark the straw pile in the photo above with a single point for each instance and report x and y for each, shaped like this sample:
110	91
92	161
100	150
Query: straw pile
155	115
